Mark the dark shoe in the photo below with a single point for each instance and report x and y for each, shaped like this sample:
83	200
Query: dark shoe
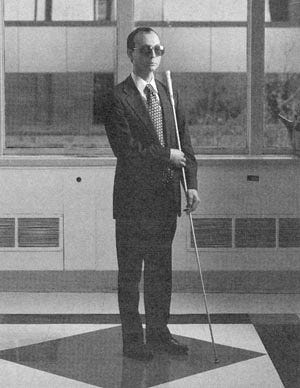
138	352
167	344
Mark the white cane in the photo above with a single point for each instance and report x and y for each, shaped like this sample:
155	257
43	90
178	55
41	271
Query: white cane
170	88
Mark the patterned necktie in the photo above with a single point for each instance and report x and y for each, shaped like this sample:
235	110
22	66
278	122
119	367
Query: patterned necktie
155	112
154	109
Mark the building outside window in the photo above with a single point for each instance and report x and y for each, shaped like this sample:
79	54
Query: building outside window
225	57
206	45
54	10
282	70
57	75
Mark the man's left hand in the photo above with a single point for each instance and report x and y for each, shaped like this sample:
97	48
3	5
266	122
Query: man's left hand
192	199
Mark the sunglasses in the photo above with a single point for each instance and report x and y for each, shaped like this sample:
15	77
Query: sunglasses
147	50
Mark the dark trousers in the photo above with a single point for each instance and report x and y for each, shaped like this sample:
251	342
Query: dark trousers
147	241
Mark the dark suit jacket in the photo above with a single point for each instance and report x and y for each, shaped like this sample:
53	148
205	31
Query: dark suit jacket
139	188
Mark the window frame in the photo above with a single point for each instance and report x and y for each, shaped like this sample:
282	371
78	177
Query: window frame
124	23
47	151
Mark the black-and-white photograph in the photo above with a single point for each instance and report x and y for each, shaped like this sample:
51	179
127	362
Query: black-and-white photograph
149	193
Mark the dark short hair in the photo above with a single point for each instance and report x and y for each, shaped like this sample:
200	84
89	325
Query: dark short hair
131	36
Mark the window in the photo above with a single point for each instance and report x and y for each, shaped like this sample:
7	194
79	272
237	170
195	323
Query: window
56	77
235	62
223	83
206	52
282	70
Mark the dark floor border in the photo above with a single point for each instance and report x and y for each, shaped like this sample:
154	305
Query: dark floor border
224	318
115	318
282	343
183	281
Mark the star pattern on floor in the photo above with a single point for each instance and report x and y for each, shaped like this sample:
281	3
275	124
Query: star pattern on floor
96	358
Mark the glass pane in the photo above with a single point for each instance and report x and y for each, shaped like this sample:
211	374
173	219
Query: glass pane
287	11
282	84
56	80
59	10
209	69
23	10
192	10
82	10
216	108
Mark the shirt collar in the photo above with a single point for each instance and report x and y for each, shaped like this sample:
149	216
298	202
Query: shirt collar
140	83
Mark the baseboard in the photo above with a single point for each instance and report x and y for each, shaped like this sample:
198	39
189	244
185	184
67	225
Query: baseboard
183	281
238	281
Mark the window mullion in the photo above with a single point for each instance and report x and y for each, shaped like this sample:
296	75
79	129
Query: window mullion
48	11
2	83
255	78
125	24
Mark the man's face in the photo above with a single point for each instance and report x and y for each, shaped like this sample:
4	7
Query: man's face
144	63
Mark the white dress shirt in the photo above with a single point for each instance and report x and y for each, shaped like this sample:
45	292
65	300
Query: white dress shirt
140	83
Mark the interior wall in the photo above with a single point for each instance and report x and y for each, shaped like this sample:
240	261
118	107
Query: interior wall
82	197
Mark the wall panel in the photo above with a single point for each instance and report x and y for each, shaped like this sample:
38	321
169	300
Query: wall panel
79	219
88	236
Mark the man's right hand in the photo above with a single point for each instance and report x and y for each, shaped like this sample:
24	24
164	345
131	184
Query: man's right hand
177	158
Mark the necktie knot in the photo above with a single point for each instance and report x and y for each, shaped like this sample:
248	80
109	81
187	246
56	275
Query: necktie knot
149	90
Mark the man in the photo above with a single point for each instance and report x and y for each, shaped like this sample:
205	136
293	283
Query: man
141	131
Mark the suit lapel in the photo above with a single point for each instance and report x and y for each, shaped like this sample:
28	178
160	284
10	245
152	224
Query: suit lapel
136	102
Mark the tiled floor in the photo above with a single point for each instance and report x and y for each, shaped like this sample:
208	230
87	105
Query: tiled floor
74	340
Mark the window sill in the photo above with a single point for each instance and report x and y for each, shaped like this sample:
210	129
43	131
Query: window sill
110	161
60	23
245	159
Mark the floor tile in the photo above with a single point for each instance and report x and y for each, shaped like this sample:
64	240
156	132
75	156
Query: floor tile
12	336
15	376
58	303
274	319
21	335
19	376
236	303
182	303
282	342
255	373
96	358
261	330
236	335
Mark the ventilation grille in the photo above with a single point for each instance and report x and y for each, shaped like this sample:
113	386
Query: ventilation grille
255	233
213	232
248	232
7	232
38	232
33	232
289	232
